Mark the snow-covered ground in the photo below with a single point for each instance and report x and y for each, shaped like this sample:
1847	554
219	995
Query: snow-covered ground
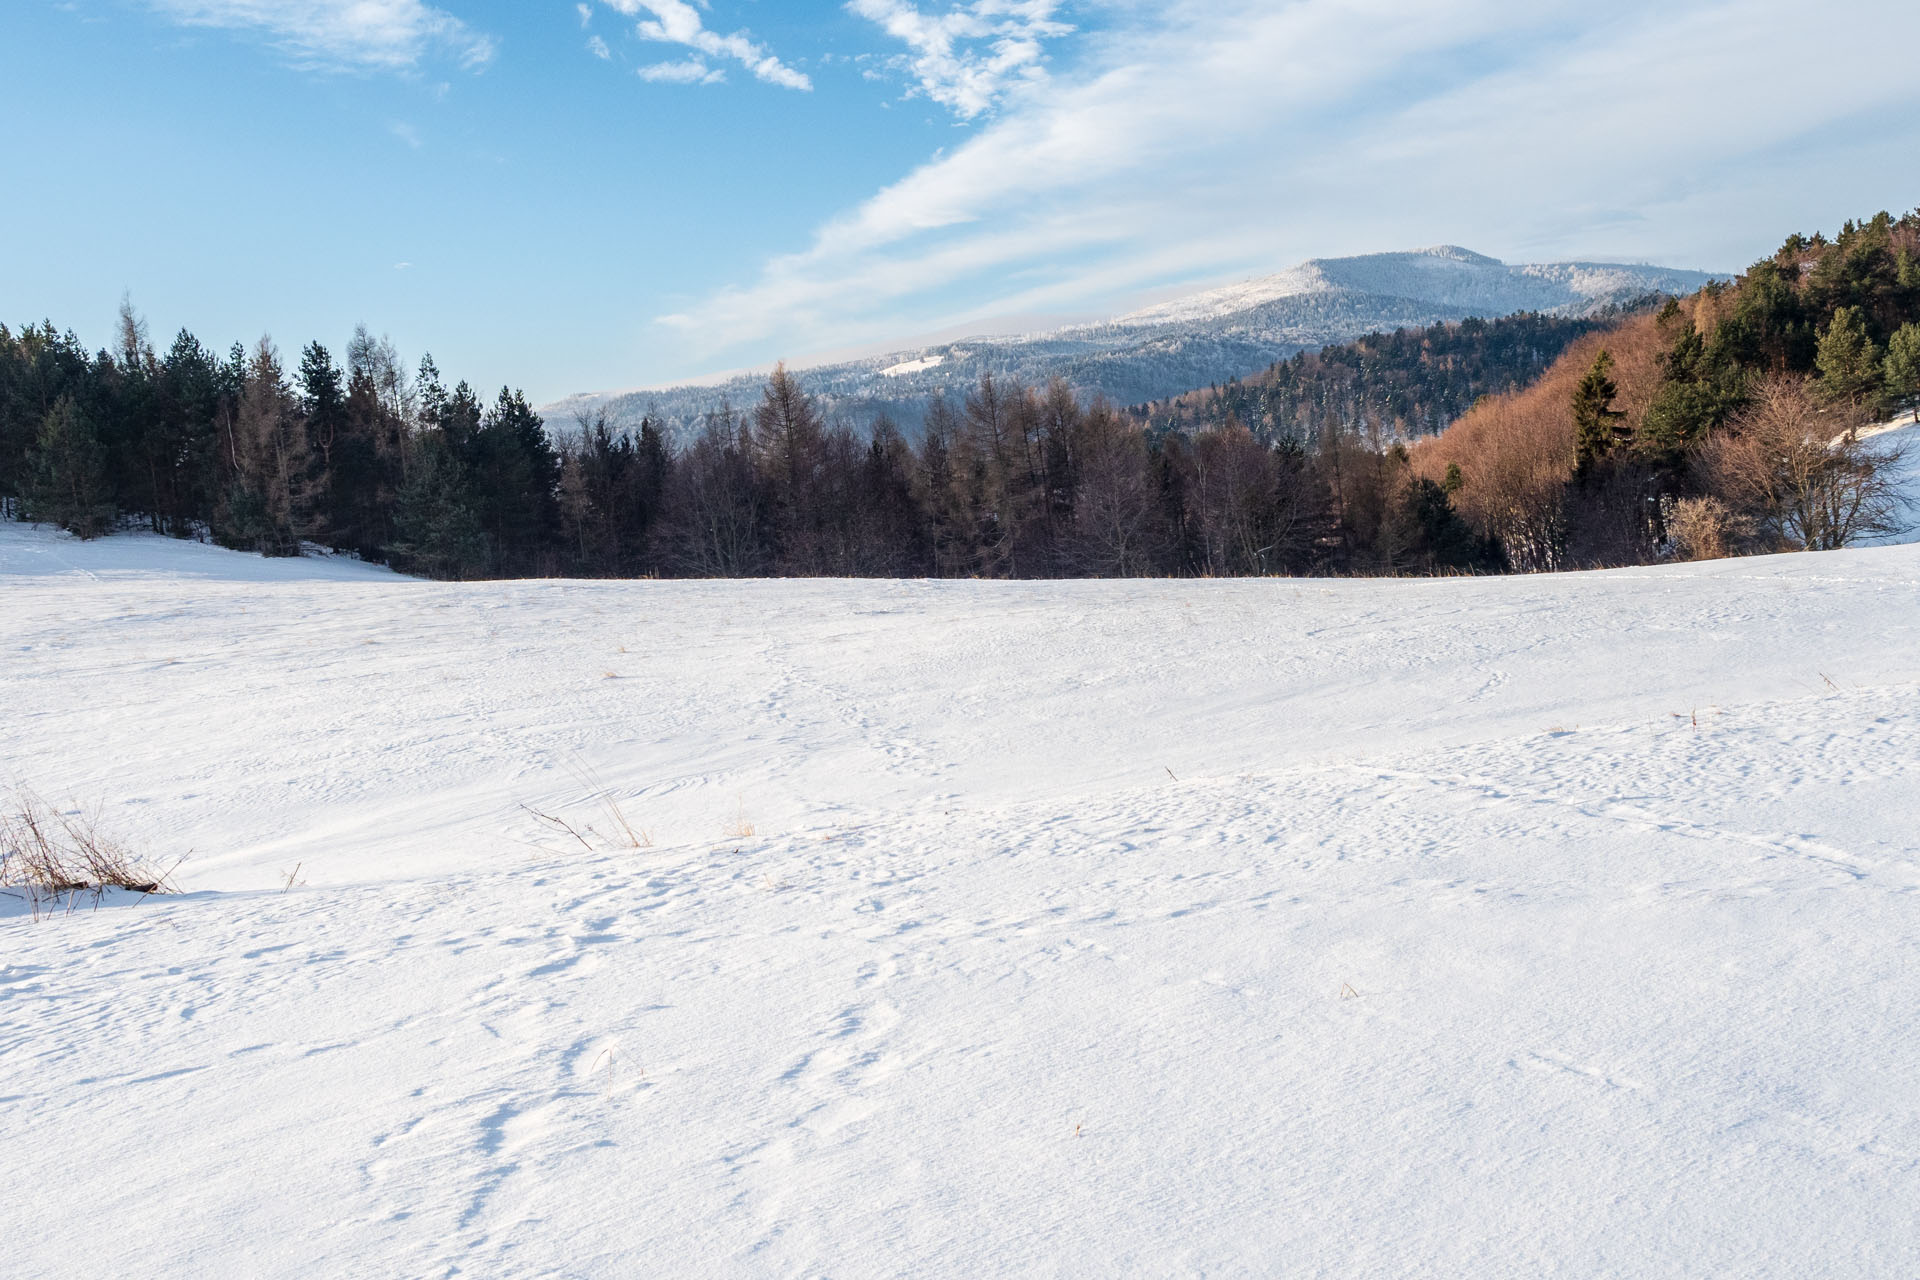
1524	927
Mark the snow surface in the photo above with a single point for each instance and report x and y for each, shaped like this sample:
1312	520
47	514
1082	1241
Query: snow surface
1521	927
906	367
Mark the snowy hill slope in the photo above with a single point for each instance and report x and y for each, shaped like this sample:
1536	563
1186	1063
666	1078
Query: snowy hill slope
1902	435
1554	926
1446	275
1184	344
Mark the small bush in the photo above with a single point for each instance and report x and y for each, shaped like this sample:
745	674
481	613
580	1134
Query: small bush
1705	529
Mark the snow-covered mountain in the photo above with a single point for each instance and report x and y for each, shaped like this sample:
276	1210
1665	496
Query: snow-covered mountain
1446	275
1188	342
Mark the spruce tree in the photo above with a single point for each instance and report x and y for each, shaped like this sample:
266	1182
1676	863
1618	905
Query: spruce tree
323	405
1595	420
513	477
322	396
1903	367
436	531
68	480
1849	363
182	449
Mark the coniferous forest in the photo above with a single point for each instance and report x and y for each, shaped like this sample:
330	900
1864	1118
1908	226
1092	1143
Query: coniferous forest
1415	382
1711	425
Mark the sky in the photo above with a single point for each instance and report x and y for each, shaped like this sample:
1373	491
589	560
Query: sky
575	195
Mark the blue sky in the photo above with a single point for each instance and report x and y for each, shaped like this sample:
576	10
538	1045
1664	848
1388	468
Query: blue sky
572	196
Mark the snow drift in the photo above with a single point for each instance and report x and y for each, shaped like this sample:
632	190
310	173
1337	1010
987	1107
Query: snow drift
1514	927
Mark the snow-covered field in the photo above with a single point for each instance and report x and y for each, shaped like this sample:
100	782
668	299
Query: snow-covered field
1521	927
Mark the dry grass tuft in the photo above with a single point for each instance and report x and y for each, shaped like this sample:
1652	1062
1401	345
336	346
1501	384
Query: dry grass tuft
620	832
740	828
44	850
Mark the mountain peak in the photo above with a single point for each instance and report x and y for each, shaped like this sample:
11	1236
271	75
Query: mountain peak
1456	253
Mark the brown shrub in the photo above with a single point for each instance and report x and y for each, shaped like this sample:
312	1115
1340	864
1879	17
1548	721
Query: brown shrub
1705	529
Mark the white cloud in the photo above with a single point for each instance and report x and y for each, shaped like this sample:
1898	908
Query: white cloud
970	57
691	71
1199	138
380	34
677	22
406	133
598	48
586	15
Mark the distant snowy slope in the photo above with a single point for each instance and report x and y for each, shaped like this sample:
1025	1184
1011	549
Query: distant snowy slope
1446	276
1186	343
1529	928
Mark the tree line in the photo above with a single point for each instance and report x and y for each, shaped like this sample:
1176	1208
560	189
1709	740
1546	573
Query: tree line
363	455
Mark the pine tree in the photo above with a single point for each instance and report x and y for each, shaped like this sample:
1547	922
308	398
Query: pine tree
182	445
1432	535
1701	389
436	532
68	481
1849	363
323	405
322	397
1595	420
1903	367
513	476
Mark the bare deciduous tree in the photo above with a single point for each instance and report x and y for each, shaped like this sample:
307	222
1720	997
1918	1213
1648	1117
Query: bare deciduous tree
1802	472
1113	511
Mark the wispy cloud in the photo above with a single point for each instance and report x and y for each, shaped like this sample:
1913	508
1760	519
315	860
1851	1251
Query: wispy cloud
1204	137
388	35
406	133
598	48
677	22
971	56
691	71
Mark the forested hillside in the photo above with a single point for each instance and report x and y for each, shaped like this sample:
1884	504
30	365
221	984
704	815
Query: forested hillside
1726	422
1719	424
1411	382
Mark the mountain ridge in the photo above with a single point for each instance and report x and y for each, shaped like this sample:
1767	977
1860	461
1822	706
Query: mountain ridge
1175	346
